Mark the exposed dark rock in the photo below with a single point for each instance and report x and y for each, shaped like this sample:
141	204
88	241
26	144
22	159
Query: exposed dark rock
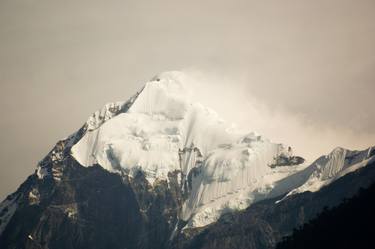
92	208
287	161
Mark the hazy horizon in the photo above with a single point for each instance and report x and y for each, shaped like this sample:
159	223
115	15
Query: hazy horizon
298	72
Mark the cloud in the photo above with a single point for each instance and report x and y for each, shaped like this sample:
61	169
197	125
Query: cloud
310	137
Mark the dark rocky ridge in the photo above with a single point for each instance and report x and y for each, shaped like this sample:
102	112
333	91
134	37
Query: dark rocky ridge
92	208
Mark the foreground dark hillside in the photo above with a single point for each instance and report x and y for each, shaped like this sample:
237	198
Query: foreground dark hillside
350	225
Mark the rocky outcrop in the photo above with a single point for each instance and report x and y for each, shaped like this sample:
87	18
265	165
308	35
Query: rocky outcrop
92	208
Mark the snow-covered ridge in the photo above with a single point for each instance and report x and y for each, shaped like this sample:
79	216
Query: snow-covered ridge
58	154
331	167
109	111
103	115
162	130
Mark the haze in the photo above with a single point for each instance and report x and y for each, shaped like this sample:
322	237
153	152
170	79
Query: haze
299	72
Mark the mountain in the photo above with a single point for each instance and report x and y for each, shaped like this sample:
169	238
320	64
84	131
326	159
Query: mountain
163	171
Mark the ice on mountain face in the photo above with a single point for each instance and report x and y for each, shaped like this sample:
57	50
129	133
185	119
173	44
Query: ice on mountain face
163	130
227	177
161	121
108	111
101	116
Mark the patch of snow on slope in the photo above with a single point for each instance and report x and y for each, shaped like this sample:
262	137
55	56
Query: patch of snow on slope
42	172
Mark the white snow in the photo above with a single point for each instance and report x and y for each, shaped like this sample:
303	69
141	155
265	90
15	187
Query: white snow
229	177
163	130
161	121
101	116
41	172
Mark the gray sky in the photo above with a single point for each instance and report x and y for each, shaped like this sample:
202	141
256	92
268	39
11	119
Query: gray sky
304	70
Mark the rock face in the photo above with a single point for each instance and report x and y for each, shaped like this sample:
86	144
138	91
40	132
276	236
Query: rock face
92	208
163	171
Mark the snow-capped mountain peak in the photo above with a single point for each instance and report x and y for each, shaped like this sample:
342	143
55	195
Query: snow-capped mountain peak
167	166
164	131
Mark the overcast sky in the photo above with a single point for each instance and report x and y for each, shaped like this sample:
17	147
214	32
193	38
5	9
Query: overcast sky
300	72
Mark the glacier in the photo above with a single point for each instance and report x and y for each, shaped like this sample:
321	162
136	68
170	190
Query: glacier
161	129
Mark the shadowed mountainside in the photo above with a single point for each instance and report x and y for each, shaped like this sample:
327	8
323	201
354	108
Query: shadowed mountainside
349	225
